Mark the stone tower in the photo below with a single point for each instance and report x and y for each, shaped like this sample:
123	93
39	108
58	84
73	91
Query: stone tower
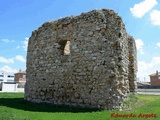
87	60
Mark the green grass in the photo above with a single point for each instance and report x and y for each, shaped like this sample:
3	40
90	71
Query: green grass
13	107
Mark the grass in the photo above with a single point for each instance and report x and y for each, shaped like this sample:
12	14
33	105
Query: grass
13	107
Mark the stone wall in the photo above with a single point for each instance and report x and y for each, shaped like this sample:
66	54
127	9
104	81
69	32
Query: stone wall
87	60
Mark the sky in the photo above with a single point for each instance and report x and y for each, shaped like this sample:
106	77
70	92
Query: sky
18	18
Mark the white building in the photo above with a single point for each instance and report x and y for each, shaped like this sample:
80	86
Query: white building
7	83
6	77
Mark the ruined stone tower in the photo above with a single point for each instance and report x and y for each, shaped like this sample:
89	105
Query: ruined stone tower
87	60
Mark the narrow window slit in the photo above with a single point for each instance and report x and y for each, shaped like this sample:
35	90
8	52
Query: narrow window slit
65	47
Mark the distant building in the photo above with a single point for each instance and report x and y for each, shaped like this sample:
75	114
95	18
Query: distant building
143	84
6	77
155	79
20	77
7	83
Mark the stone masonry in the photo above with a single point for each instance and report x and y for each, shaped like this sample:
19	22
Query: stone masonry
87	60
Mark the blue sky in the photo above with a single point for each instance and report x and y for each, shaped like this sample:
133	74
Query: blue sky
18	18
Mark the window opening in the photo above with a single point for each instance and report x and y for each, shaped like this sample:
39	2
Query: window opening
10	80
65	47
10	76
23	76
1	75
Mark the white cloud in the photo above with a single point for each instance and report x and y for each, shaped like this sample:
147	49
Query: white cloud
139	45
8	69
7	40
20	58
25	43
139	10
11	60
147	68
18	47
4	60
155	17
158	44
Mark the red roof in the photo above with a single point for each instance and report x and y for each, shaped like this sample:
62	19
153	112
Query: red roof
155	74
21	72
